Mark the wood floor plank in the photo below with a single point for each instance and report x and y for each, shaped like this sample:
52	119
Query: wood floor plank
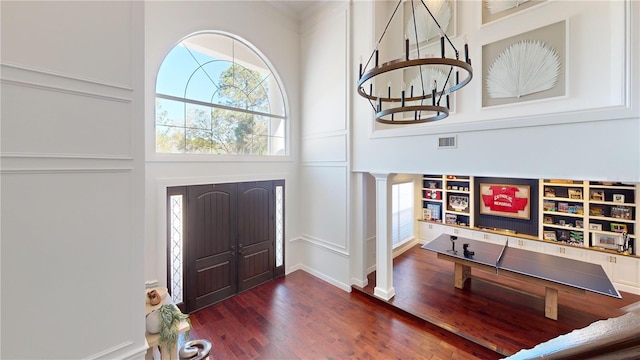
493	316
302	317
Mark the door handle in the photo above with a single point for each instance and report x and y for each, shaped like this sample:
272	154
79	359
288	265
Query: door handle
240	249
233	252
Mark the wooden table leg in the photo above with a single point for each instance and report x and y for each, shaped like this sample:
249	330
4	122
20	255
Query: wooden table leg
551	303
461	274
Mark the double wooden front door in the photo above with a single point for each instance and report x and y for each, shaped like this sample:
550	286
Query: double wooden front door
230	243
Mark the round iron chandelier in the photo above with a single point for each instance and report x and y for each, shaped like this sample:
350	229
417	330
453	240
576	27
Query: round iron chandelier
421	103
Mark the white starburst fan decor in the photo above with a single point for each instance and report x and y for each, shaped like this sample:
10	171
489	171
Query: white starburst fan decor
524	68
425	28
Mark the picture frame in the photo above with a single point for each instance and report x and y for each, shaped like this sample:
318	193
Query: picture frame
595	226
579	224
451	219
491	13
436	211
549	192
549	42
596	195
621	212
563	207
426	214
596	210
458	203
505	200
619	228
618	198
563	235
549	205
607	241
575	194
448	23
549	235
548	220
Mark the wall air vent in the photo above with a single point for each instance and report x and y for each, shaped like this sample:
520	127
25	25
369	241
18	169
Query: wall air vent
447	142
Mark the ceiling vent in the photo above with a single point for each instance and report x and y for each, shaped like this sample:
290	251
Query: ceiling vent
447	142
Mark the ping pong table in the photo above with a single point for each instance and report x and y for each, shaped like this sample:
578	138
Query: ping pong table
555	273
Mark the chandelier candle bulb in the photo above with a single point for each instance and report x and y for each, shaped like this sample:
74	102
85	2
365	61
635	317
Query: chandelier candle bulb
448	102
360	74
406	48
441	46
376	58
466	53
371	89
411	93
433	96
402	99
379	104
389	91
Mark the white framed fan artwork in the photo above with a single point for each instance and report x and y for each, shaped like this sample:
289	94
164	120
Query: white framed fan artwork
427	31
525	67
493	10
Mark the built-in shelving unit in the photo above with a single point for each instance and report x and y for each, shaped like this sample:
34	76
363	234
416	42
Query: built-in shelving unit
447	199
563	212
432	198
582	220
458	200
593	215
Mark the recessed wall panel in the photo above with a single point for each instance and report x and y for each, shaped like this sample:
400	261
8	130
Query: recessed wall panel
38	120
66	240
324	192
88	40
330	148
324	76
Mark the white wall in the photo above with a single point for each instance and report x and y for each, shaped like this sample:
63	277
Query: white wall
591	133
72	180
277	38
324	247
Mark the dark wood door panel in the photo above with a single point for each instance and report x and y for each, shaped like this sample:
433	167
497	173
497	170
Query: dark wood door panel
213	284
213	223
256	233
230	242
212	260
256	266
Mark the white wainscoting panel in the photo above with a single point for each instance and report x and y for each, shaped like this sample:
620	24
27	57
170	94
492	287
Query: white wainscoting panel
62	230
323	190
325	149
39	120
72	38
324	56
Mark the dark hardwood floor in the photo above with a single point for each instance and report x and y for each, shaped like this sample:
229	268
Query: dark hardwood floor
500	319
302	317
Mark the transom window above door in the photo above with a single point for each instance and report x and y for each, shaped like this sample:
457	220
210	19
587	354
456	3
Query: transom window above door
215	94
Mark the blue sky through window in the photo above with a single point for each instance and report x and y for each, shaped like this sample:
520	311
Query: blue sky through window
190	74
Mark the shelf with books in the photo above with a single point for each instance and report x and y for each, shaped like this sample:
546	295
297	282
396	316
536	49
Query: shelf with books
432	198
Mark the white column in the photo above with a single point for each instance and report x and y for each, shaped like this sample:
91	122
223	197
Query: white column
358	229
384	255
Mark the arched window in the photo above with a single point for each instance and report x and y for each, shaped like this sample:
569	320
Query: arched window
215	94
